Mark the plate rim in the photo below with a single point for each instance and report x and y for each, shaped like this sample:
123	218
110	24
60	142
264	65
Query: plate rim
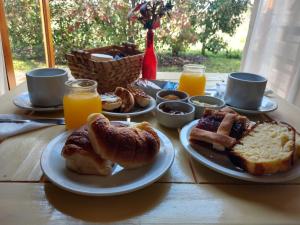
148	182
32	108
249	111
131	114
275	178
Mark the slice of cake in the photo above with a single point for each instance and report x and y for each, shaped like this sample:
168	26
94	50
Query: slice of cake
267	149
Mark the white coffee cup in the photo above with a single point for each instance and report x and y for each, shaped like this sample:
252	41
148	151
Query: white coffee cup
46	86
245	90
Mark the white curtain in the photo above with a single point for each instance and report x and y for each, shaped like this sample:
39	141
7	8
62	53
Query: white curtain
3	79
273	46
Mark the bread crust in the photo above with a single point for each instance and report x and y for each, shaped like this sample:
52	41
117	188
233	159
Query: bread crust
267	167
130	147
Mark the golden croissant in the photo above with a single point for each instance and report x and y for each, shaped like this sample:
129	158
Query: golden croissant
130	146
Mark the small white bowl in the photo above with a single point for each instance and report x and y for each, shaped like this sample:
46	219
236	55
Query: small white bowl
174	120
183	96
208	100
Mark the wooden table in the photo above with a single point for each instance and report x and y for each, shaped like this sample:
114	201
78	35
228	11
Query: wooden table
188	193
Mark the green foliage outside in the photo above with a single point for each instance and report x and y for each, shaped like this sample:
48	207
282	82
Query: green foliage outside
211	19
91	23
214	63
24	24
219	63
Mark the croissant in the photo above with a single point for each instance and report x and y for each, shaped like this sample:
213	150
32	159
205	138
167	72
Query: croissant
130	146
80	156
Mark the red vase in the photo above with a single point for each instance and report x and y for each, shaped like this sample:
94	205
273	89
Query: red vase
149	61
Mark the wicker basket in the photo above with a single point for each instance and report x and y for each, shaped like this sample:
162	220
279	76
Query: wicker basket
109	74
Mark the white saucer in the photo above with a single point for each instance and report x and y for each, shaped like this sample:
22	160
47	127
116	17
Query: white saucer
120	182
267	105
22	101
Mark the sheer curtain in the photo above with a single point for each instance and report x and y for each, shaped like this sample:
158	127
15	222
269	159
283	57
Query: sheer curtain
273	46
3	80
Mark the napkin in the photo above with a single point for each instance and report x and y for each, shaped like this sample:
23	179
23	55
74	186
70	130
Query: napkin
12	129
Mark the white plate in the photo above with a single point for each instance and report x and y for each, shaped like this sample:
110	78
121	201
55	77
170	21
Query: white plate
122	181
221	163
136	111
22	101
267	105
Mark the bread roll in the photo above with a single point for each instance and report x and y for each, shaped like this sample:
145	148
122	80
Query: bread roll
80	156
131	146
140	97
110	101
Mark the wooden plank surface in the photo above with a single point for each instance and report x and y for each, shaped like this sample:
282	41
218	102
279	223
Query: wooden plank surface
184	169
156	204
25	150
20	155
176	198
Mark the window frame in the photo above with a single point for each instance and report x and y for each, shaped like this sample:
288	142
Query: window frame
47	40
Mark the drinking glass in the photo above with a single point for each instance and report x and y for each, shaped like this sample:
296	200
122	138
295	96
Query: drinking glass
80	100
193	80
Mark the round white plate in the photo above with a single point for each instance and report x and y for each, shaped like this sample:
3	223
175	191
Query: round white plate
136	111
22	101
267	105
221	163
120	182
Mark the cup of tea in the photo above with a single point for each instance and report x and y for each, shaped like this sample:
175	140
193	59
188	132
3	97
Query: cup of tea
245	90
46	86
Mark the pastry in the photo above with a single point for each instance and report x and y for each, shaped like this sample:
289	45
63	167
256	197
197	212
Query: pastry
267	149
228	110
200	135
110	101
80	156
140	97
224	129
221	129
131	146
127	99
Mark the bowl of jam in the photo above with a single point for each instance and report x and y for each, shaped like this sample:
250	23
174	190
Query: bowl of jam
174	114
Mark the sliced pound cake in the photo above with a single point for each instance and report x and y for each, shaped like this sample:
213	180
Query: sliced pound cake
267	149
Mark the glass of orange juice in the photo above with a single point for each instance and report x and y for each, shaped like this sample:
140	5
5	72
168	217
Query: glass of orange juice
192	79
80	100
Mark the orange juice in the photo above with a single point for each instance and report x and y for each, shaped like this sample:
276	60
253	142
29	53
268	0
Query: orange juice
77	107
192	80
80	100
